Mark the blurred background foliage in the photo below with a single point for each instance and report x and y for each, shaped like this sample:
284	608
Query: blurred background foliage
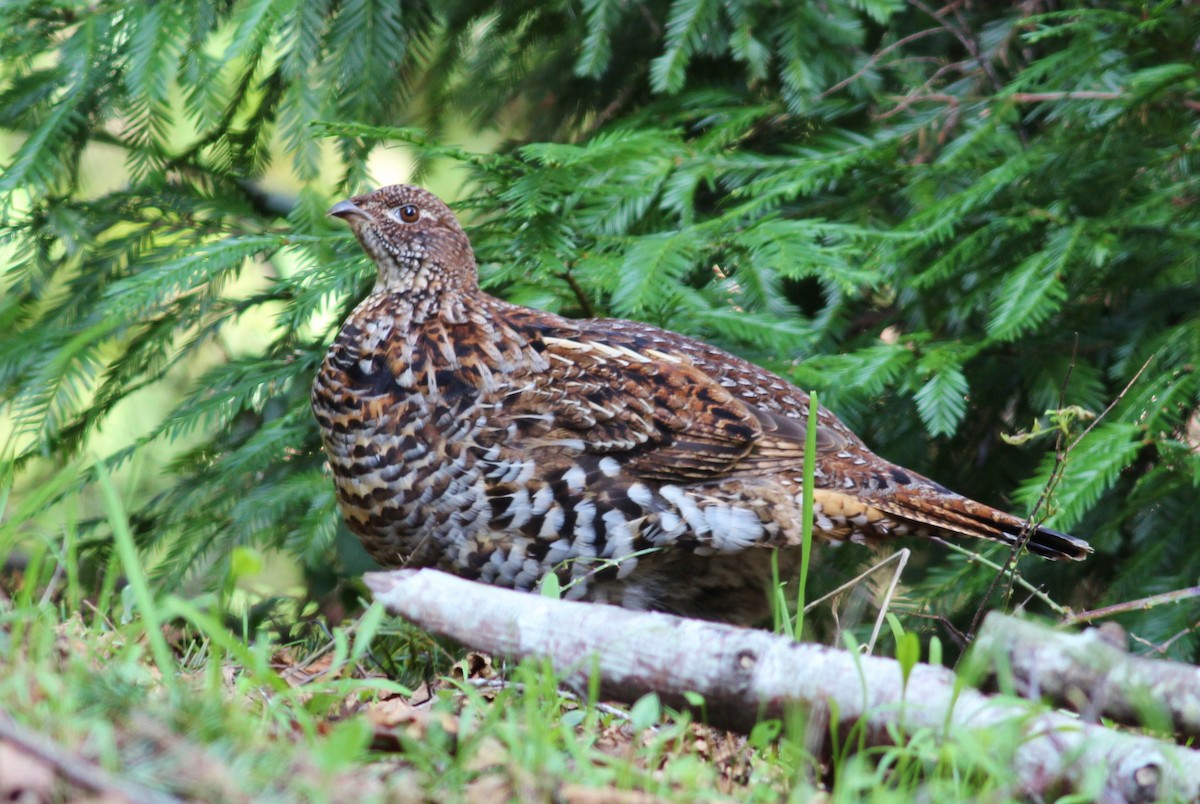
949	220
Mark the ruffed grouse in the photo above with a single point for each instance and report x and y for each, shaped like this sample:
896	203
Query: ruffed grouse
643	468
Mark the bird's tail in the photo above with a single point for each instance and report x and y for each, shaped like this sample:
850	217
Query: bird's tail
952	514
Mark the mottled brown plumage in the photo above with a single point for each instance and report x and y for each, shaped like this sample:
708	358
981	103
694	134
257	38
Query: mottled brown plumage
642	467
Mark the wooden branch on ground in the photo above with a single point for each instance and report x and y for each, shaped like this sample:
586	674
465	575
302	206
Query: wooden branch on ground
746	675
1090	674
75	768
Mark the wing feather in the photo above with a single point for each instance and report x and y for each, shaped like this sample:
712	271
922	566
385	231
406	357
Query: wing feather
666	419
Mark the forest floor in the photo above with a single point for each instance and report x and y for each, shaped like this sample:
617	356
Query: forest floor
90	713
113	690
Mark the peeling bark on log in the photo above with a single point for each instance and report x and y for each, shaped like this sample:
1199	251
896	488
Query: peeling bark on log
1088	673
746	675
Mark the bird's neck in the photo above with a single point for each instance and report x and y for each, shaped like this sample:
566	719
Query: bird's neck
420	297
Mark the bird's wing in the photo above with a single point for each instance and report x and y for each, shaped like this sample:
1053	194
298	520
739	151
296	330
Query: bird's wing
659	416
663	417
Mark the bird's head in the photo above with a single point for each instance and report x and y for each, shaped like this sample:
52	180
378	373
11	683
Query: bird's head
416	242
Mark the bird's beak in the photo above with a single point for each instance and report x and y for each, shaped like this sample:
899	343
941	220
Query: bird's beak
347	209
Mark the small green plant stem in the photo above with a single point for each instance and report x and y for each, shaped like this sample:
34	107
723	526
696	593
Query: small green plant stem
782	620
1021	582
127	551
806	509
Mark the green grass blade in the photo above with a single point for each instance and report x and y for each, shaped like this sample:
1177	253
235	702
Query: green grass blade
127	551
806	509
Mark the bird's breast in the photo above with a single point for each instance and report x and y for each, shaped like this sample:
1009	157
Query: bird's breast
402	426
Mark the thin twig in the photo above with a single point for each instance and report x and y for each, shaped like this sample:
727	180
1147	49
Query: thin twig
901	557
887	598
1039	97
1024	584
1161	649
1131	605
610	111
501	684
974	46
879	55
953	633
1060	462
1060	459
76	769
915	97
585	305
51	585
1008	568
1061	455
107	622
853	581
966	37
1111	405
937	15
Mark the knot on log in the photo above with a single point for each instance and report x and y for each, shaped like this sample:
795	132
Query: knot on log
1146	779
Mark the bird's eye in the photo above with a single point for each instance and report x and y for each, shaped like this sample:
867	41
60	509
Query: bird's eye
409	213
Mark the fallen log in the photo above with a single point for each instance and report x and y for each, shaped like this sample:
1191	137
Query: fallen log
1090	674
745	675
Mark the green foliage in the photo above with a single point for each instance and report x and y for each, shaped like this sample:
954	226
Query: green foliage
945	225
